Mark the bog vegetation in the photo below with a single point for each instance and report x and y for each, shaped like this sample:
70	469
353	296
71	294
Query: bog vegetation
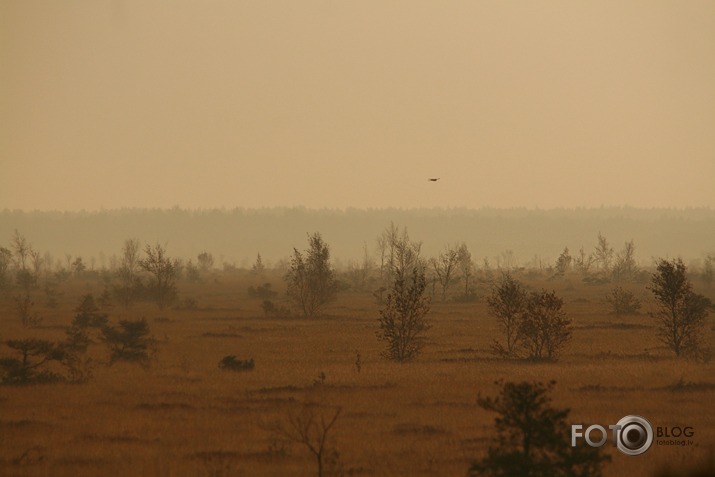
391	365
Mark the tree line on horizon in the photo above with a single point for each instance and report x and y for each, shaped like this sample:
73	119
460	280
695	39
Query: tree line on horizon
235	236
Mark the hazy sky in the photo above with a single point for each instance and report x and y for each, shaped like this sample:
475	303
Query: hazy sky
147	103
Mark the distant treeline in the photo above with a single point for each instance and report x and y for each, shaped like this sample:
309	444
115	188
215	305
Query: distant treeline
236	236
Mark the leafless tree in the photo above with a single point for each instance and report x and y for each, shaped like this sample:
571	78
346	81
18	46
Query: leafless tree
625	267
359	273
444	267
5	263
21	248
25	310
709	270
466	267
37	263
506	260
311	427
563	263
400	252
205	261
163	272
603	254
583	261
128	281
382	250
258	268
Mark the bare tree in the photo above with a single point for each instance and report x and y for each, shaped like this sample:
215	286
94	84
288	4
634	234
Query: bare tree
506	260
359	273
163	272
709	270
5	262
507	303
403	318
258	268
444	267
37	263
466	267
563	263
400	253
311	427
625	267
681	313
583	262
311	278
603	254
127	273
21	248
24	305
205	261
382	250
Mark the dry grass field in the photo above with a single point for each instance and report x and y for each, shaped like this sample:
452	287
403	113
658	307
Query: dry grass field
183	416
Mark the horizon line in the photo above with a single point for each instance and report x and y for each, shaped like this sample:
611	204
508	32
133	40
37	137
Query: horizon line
7	210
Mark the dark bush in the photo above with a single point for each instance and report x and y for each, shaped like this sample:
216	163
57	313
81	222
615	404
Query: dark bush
264	292
31	365
231	363
130	341
532	438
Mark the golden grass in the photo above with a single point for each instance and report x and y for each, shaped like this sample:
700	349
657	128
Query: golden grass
184	416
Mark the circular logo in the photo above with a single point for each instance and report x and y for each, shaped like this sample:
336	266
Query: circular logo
635	435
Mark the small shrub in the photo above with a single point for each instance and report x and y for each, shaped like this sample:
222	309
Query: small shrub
264	292
231	363
320	380
270	309
623	302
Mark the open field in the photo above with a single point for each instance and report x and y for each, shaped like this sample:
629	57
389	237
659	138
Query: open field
185	416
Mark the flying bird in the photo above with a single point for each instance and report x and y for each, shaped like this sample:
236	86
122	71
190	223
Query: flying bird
433	179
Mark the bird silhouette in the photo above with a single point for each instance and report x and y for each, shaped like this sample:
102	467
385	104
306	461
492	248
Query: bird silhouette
433	179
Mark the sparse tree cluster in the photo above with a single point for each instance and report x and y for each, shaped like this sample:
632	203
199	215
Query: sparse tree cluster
72	359
163	271
534	325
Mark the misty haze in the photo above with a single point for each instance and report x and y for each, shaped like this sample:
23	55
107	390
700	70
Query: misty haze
357	238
